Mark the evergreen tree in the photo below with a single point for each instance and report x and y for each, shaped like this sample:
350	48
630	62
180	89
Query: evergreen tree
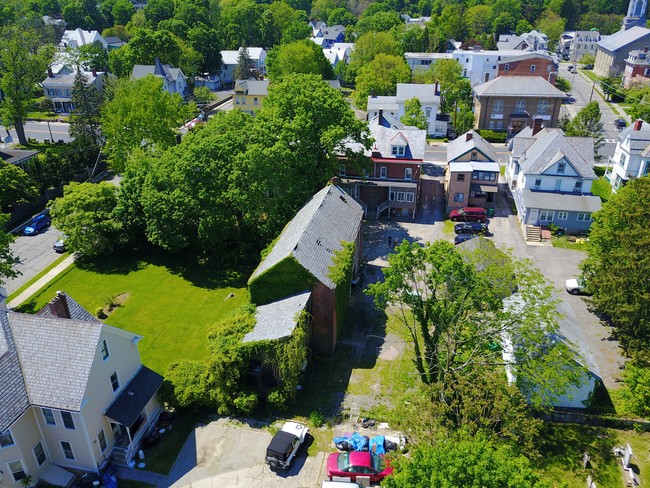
85	119
244	65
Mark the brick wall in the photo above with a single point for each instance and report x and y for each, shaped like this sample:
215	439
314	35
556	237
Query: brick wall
323	339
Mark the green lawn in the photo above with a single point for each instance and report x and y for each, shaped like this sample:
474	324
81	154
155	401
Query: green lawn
169	301
37	277
602	188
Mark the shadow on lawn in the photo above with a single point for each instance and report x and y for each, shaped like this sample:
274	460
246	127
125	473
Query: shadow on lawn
202	273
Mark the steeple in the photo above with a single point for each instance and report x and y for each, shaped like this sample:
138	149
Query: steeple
636	14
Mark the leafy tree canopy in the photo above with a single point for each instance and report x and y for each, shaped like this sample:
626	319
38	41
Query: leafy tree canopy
16	186
587	123
7	258
298	57
414	115
368	46
380	77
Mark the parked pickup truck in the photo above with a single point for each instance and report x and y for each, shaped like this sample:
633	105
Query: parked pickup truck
285	444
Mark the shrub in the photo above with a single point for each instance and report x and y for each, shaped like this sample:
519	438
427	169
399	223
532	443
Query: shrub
492	136
316	418
99	312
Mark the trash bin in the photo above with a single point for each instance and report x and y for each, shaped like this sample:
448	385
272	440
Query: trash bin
490	212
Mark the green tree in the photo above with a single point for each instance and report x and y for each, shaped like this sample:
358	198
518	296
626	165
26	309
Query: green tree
92	56
368	46
449	74
380	77
23	61
587	123
636	394
552	25
139	113
7	258
158	10
298	57
414	115
84	14
478	19
85	119
85	214
244	66
464	461
562	84
341	16
379	22
16	186
616	265
454	305
122	12
205	41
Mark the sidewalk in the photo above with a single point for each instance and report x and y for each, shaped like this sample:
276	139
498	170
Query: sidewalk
41	282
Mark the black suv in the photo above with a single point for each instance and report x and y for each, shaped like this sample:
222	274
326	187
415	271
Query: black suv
471	228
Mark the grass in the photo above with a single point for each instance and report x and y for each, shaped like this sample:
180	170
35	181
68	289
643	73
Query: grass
170	301
564	243
37	277
36	112
602	188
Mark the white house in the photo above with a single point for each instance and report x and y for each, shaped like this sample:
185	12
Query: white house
429	97
480	66
73	392
422	61
78	37
528	41
631	158
174	81
550	177
229	59
58	87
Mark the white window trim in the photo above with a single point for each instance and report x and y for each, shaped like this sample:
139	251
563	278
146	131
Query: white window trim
400	196
550	214
383	172
119	383
44	452
13	441
45	417
410	197
22	465
408	173
99	442
74	426
104	346
562	215
71	451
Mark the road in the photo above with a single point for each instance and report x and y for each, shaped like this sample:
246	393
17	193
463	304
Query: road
581	91
40	131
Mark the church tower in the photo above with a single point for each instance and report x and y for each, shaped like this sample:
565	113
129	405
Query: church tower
636	14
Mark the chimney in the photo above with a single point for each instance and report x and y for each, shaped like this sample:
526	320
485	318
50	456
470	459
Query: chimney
381	114
49	73
537	125
94	71
637	124
468	136
59	306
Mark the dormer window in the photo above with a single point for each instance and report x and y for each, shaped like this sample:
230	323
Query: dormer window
561	167
398	150
474	156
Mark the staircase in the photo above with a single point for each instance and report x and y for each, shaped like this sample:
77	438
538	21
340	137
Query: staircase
118	456
533	233
381	207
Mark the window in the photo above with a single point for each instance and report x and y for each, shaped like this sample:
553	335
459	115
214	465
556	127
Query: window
459	197
474	156
460	177
5	439
408	173
255	101
623	160
497	108
546	215
578	186
561	215
520	106
484	175
391	196
103	348
398	150
17	470
101	439
646	72
506	67
561	167
68	421
532	68
67	450
542	107
48	414
538	183
584	217
516	168
400	196
39	453
410	197
115	382
427	112
382	172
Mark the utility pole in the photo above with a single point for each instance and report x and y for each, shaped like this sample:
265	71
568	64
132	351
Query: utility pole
593	87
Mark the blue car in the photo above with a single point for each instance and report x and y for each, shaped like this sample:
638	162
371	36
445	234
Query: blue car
39	223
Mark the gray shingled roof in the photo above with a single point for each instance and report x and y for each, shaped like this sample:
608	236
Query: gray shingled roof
558	201
639	139
315	232
382	103
520	86
277	319
548	145
254	87
460	146
77	312
13	394
142	70
622	38
423	92
385	136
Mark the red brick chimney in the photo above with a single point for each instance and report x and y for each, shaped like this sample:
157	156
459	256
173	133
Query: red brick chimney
59	306
468	136
637	124
537	126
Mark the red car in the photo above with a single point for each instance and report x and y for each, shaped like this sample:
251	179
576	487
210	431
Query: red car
353	464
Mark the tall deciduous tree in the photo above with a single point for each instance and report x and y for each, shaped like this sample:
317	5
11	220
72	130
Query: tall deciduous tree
453	306
16	186
85	214
140	113
414	115
298	57
23	61
618	259
85	119
7	258
368	46
449	73
380	77
587	123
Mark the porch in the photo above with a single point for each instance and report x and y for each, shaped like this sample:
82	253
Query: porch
133	414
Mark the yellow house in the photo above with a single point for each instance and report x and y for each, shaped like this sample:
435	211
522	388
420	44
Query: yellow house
73	393
249	95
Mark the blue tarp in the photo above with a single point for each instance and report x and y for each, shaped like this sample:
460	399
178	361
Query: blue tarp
356	441
377	445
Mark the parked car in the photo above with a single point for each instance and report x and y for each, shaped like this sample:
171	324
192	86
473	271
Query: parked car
467	214
59	245
588	66
38	223
463	237
576	286
620	124
353	464
285	445
340	484
471	228
570	68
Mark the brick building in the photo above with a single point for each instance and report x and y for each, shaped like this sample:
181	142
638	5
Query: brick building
533	64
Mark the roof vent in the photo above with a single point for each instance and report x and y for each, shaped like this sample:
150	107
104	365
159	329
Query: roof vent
130	393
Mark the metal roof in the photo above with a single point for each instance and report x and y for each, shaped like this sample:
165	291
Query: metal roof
622	38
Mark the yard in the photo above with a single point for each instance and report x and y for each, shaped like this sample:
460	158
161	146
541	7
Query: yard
170	301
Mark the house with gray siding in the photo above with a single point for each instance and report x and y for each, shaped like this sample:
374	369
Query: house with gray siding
549	176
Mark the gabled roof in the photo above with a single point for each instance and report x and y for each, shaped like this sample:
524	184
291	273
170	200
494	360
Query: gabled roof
157	69
230	57
13	393
315	232
382	103
63	80
253	87
426	93
384	129
622	38
278	319
461	145
15	156
639	140
531	55
129	404
79	37
519	86
537	153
